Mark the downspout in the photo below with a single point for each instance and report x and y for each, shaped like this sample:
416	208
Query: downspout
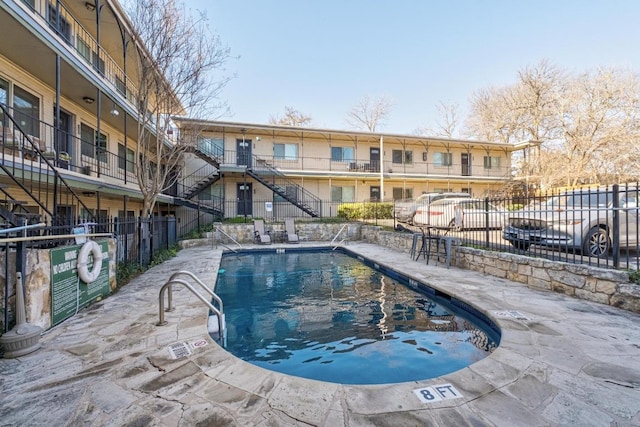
97	139
55	137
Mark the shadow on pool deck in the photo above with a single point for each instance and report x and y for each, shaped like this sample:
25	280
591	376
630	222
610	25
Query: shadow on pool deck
562	362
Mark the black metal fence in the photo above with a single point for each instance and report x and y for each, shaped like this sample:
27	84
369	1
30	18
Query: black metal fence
595	226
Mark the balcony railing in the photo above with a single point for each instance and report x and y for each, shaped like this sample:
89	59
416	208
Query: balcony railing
362	166
57	17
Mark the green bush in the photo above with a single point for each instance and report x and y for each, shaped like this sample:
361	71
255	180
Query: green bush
366	210
163	255
125	271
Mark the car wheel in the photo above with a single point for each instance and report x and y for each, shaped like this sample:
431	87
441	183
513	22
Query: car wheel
523	246
597	243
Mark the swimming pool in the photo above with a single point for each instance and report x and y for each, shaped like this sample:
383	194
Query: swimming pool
331	316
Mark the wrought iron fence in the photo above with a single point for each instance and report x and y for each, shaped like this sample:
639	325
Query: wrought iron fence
595	226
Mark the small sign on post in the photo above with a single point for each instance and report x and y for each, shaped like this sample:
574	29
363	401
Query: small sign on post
268	206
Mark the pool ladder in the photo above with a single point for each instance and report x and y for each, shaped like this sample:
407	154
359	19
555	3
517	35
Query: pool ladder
217	327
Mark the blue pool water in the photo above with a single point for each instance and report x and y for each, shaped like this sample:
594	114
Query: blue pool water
329	316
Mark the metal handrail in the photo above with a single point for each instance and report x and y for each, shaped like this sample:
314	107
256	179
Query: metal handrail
336	236
198	281
162	322
229	237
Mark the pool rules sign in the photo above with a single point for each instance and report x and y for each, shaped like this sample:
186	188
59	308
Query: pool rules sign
68	292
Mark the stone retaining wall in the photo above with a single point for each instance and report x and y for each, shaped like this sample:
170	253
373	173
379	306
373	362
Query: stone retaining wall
611	287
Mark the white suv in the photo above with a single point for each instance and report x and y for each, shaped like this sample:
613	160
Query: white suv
578	219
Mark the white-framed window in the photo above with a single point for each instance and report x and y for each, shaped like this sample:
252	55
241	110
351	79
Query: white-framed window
343	154
442	159
285	151
343	194
491	162
92	145
400	157
26	111
126	157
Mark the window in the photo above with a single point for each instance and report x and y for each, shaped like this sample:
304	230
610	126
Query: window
84	50
26	111
342	154
343	194
91	145
101	148
58	22
125	158
402	157
120	86
291	192
285	151
211	146
400	193
491	162
442	159
205	194
4	91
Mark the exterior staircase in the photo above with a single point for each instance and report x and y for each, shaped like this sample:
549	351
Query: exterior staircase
33	173
290	191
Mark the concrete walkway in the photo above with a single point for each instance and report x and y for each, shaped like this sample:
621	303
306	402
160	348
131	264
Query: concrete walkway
561	361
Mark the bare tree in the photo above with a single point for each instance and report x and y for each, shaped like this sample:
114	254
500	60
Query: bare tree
178	58
447	123
599	116
292	117
370	113
524	110
590	123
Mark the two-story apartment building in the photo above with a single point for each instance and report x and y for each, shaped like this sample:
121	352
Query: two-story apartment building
272	164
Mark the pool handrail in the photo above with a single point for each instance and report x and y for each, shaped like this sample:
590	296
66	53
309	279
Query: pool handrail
336	236
230	238
214	310
198	281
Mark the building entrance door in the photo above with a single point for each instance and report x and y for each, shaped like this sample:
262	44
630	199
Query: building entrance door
245	199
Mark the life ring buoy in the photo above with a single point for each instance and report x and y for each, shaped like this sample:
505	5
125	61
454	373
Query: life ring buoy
90	247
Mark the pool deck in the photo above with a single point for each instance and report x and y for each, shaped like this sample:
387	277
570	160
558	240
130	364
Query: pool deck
562	361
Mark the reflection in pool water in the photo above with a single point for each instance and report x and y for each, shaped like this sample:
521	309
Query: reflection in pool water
327	316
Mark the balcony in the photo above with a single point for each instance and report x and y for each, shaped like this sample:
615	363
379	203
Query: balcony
365	167
59	19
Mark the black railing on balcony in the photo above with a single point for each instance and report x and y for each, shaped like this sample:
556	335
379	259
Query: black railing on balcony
66	26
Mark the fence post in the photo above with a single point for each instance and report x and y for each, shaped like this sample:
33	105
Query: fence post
616	226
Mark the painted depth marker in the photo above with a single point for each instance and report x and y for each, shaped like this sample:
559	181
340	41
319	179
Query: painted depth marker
437	393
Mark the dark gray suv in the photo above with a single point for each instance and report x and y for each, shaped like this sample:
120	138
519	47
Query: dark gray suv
578	219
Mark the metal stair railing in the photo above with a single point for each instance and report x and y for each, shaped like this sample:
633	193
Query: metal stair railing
211	154
261	170
36	177
197	181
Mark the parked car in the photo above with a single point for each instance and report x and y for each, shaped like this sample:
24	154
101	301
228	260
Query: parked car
405	210
460	213
579	219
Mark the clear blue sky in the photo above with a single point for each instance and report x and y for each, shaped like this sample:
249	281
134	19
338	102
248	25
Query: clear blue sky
322	57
